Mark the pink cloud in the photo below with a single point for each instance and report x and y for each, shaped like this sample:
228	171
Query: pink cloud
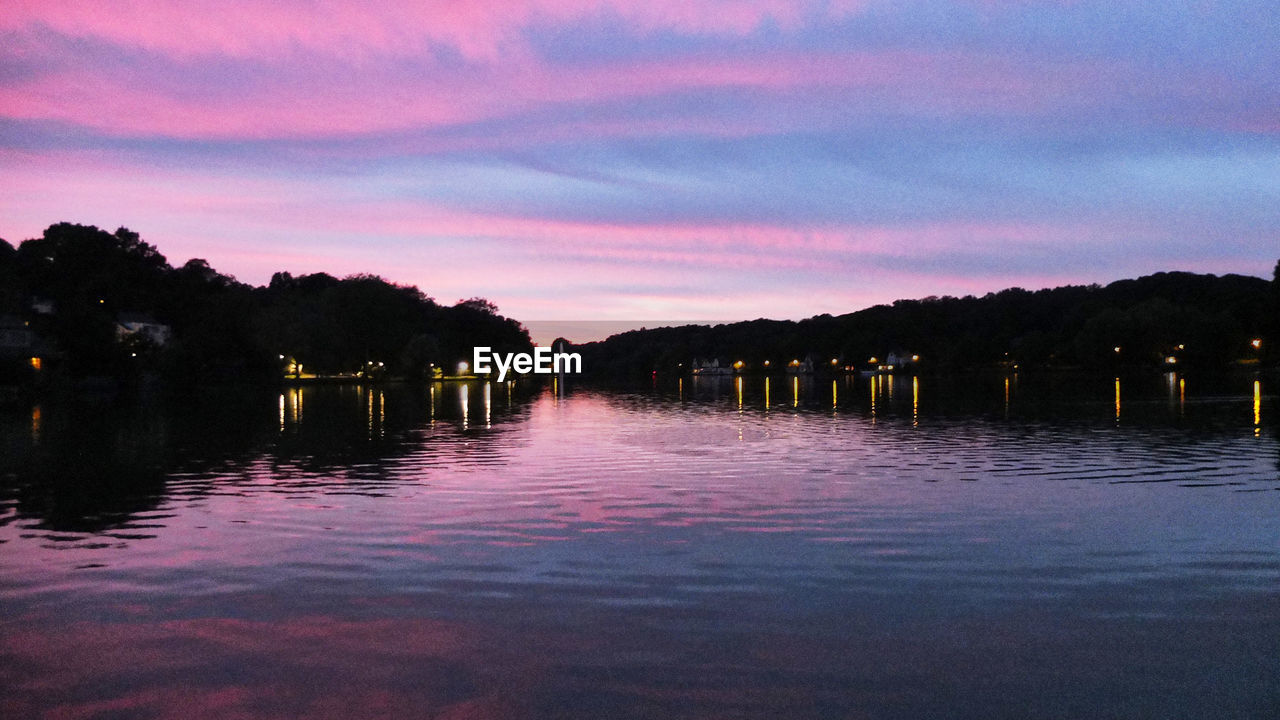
306	96
479	29
252	225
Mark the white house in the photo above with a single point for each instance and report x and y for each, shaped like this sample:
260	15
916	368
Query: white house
141	325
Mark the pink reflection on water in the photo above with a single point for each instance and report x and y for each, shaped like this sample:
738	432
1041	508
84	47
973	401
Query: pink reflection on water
317	666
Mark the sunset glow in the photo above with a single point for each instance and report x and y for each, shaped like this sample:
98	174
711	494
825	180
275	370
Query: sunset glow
600	160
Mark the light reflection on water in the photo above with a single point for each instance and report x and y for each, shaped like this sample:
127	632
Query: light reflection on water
961	547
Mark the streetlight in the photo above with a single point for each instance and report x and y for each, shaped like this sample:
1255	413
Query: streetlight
462	367
1257	343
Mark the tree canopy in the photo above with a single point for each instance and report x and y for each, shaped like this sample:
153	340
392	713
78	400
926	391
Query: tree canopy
1212	318
73	285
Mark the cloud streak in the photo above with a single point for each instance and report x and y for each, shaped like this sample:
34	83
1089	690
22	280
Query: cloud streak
785	157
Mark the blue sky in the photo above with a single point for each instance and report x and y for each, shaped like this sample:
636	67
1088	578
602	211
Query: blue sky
586	160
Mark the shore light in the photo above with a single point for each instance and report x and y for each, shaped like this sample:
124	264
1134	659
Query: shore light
462	367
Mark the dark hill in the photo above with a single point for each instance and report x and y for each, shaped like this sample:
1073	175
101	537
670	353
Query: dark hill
1214	319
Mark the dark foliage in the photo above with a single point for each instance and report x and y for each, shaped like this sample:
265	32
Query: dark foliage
224	329
74	284
1213	319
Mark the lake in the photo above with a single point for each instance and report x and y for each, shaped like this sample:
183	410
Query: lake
984	546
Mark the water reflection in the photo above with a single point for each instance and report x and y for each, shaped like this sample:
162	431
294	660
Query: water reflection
1006	397
873	398
1257	407
92	464
677	550
464	402
915	401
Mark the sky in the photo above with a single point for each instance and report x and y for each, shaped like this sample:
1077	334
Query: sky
596	160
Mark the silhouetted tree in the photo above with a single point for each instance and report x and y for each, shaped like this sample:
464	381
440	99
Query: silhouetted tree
224	329
1272	331
10	297
479	304
1149	317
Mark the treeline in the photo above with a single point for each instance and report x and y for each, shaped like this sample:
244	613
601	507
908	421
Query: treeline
1196	319
88	302
97	303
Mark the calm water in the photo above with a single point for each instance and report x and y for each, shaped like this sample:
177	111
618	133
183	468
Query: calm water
979	547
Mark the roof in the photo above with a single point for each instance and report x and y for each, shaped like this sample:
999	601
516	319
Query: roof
136	318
